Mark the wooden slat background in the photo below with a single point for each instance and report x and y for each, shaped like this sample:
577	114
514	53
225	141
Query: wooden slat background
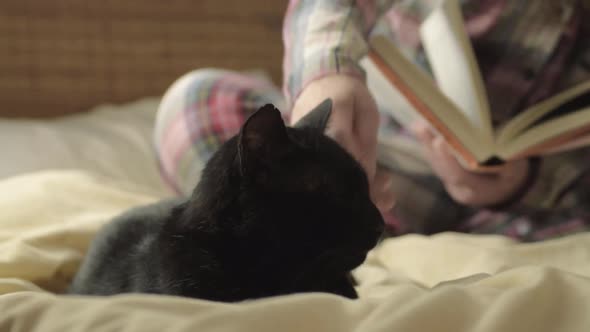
65	56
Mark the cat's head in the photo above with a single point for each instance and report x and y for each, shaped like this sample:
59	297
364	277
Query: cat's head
305	189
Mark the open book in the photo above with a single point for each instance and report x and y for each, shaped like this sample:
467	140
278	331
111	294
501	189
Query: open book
455	101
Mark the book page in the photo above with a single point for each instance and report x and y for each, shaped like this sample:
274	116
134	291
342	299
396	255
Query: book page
421	92
455	68
533	114
387	97
560	131
576	141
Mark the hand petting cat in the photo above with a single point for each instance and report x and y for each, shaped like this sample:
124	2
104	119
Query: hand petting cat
354	125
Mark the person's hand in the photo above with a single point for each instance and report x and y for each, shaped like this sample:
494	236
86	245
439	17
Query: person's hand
353	124
465	187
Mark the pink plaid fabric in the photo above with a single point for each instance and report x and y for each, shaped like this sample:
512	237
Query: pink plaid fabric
199	112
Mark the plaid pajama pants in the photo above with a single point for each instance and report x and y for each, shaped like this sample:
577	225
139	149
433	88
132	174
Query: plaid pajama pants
198	113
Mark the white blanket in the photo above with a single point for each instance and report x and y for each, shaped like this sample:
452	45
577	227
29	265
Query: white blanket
47	220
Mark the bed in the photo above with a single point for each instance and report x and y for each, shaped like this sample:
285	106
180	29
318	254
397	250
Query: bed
72	163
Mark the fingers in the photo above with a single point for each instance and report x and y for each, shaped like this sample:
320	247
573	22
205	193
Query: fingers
441	158
447	164
353	123
365	126
381	192
355	127
470	188
340	126
423	132
340	129
459	183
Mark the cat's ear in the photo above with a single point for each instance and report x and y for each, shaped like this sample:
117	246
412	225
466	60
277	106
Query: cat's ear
318	117
262	138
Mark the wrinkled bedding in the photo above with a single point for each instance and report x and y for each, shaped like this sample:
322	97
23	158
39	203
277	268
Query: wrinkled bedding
448	282
60	181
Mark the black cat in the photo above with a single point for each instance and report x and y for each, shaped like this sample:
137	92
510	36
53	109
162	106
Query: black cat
278	210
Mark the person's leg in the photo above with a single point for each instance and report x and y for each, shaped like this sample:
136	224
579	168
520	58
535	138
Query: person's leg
198	113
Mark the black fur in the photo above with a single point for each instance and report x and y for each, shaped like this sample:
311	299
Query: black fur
278	210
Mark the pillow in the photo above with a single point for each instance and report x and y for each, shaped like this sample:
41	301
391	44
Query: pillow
112	140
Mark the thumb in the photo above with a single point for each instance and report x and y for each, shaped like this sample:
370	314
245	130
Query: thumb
365	126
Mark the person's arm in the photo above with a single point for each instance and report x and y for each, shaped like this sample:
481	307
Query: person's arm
532	183
551	198
323	37
324	41
556	203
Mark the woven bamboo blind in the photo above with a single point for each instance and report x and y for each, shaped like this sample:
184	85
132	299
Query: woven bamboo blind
64	56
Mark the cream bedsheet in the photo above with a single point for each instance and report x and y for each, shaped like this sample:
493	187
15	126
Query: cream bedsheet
412	283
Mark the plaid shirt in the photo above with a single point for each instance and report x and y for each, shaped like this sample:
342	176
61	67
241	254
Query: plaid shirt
527	50
206	107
